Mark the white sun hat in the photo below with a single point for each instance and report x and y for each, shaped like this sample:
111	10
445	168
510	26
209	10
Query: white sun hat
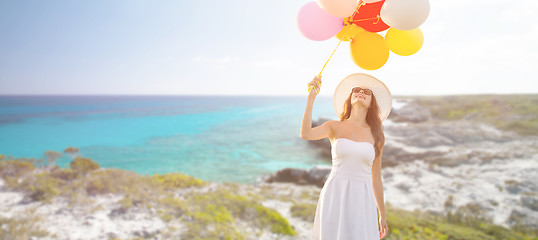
379	89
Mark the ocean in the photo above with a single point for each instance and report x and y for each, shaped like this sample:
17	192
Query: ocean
215	138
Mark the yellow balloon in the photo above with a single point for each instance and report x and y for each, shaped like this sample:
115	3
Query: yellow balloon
369	50
348	31
404	43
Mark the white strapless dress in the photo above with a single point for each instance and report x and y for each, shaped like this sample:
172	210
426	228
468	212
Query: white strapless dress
346	207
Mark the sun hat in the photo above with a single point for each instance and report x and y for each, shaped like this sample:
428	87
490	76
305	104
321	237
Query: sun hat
379	89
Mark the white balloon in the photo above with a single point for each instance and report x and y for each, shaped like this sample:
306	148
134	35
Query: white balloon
405	14
339	8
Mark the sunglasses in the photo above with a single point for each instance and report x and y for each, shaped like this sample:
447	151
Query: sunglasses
365	90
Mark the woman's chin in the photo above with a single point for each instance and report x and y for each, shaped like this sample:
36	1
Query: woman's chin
360	103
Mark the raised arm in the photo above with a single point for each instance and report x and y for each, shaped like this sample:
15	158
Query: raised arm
319	132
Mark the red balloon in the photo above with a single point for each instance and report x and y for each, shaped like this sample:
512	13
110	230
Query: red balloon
368	17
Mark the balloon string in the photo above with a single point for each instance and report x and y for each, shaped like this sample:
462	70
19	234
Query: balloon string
362	3
345	34
319	75
366	19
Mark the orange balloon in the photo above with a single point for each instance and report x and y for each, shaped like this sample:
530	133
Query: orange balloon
369	50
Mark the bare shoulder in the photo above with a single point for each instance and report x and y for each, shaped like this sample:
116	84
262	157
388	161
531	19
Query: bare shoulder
335	123
332	123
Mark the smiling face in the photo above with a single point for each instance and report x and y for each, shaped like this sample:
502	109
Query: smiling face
362	96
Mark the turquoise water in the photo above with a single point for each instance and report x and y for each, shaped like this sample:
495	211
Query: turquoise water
218	138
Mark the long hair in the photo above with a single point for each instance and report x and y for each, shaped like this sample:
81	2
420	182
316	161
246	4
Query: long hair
373	120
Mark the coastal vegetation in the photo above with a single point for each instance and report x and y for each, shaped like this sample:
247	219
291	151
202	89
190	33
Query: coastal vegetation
211	213
518	113
194	209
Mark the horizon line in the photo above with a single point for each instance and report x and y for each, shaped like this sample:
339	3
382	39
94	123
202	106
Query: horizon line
238	95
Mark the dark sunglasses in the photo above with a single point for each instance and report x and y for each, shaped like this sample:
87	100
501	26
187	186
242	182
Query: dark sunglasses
365	90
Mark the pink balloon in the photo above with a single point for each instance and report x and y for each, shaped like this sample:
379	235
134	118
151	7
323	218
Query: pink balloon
316	24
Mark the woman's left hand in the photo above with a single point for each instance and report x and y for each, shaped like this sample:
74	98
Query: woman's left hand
384	228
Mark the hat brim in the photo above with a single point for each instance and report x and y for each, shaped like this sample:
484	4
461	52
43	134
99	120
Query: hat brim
380	90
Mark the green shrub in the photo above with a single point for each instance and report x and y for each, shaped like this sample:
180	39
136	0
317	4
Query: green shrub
305	211
72	151
40	187
84	165
225	207
15	168
277	223
173	207
23	227
106	181
51	158
471	215
44	192
416	225
138	191
210	221
64	174
172	181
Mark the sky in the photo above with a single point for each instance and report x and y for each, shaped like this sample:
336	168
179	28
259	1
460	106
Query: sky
249	47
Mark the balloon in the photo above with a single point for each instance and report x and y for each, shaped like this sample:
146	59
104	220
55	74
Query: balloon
369	50
339	8
349	30
370	11
405	15
404	43
316	24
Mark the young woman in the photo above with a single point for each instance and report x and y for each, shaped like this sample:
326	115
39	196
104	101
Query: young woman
346	208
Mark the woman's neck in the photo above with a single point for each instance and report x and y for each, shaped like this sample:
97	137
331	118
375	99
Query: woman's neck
358	115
